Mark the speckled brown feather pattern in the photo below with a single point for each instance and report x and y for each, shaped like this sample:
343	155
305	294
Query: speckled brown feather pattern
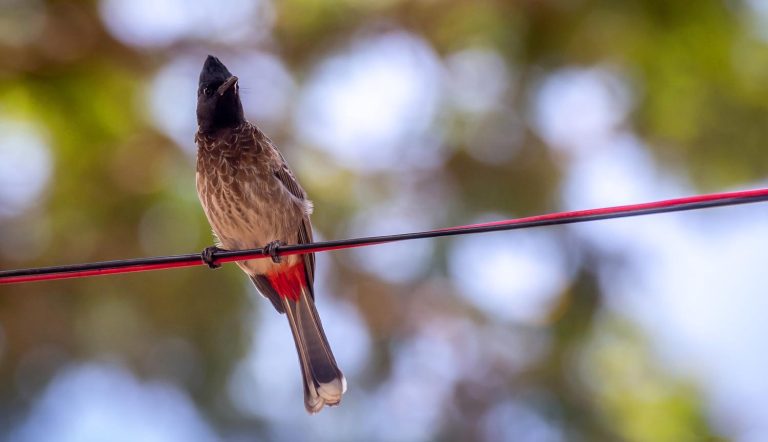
250	195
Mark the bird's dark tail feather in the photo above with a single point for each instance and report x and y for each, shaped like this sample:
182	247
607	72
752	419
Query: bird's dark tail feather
323	381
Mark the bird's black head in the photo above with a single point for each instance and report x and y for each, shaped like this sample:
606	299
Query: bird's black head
218	98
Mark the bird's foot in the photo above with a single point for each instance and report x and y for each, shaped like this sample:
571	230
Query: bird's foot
272	248
208	256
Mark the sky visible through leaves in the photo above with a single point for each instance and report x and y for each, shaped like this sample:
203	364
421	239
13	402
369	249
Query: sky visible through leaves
396	116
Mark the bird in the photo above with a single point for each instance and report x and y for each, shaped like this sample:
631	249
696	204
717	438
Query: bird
253	200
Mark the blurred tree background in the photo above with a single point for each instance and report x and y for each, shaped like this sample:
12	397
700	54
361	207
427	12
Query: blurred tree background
396	116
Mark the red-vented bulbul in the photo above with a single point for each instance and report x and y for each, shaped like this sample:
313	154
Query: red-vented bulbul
252	199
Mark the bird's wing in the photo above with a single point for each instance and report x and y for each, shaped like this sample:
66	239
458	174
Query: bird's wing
285	176
265	288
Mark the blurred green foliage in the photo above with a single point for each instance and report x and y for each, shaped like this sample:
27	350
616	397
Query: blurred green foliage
121	188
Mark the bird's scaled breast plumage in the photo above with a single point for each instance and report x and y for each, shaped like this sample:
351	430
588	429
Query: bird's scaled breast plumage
245	203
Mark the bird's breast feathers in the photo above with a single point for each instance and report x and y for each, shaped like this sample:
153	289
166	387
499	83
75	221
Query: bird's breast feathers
246	205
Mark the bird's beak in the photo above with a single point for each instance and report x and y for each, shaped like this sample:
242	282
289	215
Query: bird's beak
231	81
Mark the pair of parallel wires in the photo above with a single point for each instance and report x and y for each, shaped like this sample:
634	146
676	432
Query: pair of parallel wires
551	219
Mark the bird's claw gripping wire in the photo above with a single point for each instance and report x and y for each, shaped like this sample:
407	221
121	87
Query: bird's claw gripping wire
208	256
272	248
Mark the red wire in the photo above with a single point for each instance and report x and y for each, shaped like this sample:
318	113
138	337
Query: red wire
167	262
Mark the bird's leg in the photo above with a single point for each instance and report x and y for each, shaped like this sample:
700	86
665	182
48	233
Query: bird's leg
272	248
208	256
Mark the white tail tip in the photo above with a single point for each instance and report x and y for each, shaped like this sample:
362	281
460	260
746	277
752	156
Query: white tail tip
328	393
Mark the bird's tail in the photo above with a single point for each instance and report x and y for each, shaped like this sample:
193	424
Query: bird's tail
323	381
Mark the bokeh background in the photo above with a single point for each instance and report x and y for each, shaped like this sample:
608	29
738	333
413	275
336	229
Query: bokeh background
397	116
